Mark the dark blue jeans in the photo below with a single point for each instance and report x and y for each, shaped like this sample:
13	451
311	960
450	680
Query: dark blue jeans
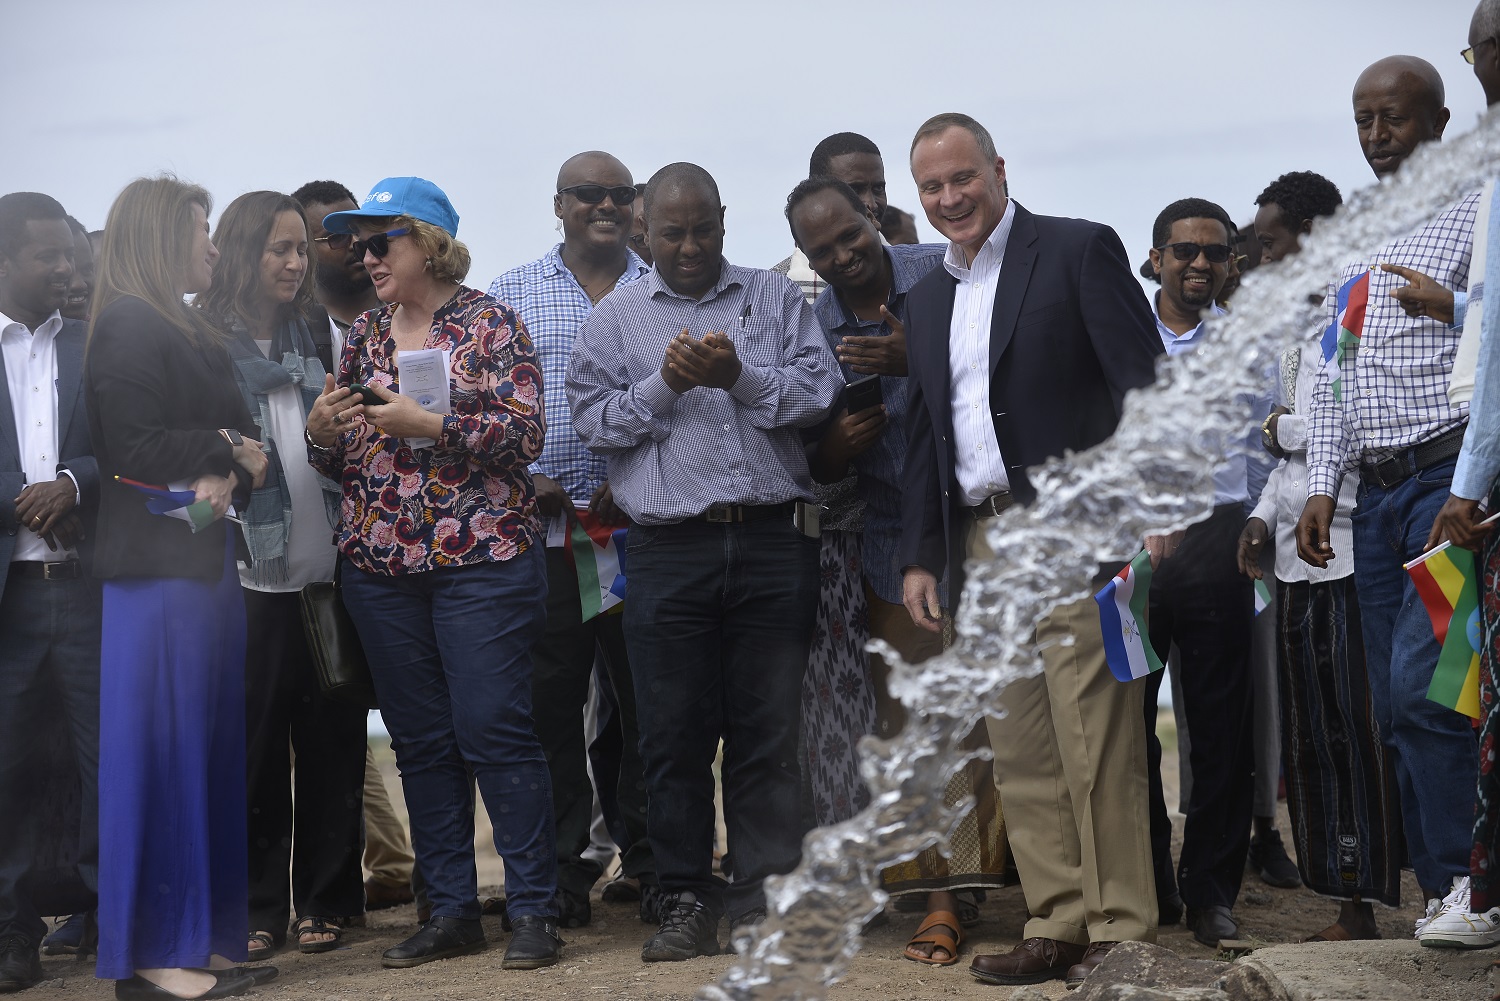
49	671
1434	748
718	621
450	653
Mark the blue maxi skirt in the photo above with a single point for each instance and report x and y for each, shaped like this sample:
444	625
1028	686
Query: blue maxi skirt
172	828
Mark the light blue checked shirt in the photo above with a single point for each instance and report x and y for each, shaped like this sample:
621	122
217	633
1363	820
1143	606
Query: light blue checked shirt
879	467
672	457
553	306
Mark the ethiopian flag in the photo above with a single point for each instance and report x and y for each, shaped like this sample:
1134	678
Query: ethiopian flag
599	556
1122	620
1342	335
1450	592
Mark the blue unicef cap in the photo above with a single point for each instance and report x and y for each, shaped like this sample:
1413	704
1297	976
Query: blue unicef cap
409	196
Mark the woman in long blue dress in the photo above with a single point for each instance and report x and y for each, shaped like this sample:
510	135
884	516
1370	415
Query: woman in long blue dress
164	410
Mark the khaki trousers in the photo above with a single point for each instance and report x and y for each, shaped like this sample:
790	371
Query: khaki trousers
387	851
1070	763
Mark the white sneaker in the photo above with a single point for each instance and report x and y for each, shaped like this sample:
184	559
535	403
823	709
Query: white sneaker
1433	904
1455	927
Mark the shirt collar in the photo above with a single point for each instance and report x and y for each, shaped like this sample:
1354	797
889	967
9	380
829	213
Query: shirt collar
994	244
1170	336
727	276
635	268
906	271
50	325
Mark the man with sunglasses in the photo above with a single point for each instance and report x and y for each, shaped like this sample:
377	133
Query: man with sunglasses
343	286
554	295
1200	602
697	382
1392	423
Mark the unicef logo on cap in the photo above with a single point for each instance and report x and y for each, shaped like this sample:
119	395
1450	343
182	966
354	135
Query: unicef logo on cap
378	196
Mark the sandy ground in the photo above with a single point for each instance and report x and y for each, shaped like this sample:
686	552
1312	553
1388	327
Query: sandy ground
602	961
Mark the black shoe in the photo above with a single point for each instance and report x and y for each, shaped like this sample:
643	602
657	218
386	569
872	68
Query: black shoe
67	938
622	889
1169	910
1212	925
688	929
740	925
535	944
1268	860
440	938
229	984
573	911
258	974
20	963
651	901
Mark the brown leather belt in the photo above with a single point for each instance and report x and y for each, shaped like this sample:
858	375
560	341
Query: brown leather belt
723	514
37	570
993	506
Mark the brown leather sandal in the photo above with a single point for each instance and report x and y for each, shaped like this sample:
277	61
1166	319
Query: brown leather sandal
940	930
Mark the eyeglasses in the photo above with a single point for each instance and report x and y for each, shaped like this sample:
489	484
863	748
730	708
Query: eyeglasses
336	241
593	194
378	244
1468	53
1217	253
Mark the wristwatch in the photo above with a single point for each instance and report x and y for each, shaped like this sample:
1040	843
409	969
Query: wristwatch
232	436
1267	438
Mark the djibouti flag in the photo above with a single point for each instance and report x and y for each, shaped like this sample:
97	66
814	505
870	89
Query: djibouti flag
1450	592
1122	619
599	556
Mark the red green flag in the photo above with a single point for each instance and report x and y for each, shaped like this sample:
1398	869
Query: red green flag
1450	591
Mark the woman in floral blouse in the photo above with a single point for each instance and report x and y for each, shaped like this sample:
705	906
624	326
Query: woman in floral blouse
443	566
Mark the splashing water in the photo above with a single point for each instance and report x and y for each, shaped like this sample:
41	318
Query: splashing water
1154	475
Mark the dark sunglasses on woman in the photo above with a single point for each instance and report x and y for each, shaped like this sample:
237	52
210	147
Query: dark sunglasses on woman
378	244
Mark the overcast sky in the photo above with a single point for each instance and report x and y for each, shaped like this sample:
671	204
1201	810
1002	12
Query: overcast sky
1104	110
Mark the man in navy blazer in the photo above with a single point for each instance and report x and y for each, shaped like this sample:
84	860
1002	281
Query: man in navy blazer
1021	347
49	608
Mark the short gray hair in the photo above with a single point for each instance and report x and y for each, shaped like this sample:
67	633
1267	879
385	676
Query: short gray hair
938	124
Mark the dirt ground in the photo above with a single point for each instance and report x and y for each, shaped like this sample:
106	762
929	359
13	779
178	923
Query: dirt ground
602	962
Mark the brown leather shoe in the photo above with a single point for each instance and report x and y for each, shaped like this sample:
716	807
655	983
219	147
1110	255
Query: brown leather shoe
1079	971
379	896
1032	962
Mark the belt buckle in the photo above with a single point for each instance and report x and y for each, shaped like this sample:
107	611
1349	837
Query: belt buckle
993	506
1389	471
62	566
720	514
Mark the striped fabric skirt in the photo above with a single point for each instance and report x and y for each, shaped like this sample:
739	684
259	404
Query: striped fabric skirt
1340	784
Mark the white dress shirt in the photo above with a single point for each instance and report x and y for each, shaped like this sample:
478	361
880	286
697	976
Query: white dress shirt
979	467
31	375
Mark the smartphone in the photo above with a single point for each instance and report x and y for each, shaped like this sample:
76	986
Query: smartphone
862	394
365	394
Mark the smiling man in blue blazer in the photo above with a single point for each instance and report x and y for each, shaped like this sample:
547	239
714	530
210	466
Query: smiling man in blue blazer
1021	347
49	608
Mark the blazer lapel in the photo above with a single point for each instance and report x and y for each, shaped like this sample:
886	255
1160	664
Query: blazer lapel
1015	274
69	375
937	352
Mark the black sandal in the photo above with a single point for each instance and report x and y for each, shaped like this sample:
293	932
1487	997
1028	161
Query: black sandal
311	924
262	945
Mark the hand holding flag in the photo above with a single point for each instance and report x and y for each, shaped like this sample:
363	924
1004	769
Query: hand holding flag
1445	579
180	500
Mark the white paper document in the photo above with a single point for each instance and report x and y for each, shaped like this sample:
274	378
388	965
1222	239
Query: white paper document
557	531
424	377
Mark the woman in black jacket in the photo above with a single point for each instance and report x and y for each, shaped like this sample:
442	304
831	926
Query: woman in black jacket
164	411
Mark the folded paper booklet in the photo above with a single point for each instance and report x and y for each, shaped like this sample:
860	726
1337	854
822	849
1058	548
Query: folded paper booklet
424	378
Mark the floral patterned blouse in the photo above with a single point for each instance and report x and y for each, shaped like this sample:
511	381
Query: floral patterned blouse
469	498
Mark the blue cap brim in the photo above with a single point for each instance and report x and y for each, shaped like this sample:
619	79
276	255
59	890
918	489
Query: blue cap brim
343	222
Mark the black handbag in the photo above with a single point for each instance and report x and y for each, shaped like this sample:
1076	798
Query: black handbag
343	672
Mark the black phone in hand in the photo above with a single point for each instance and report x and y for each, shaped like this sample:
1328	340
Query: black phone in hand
862	394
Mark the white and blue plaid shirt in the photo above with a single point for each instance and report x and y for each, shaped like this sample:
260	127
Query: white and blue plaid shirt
553	306
673	457
1395	392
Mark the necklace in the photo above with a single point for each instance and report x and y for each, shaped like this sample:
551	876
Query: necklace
594	299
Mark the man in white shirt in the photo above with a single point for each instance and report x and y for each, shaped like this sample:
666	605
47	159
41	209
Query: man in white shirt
49	608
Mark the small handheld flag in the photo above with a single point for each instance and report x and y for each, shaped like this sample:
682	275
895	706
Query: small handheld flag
1122	619
1342	335
1262	596
176	501
1450	592
599	556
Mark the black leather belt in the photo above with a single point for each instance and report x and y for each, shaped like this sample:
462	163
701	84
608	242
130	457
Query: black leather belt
37	570
1395	467
731	513
992	506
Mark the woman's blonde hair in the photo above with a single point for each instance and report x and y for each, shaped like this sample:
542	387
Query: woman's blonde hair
447	259
241	236
147	246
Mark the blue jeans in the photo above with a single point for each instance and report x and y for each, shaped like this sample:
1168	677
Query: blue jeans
1433	747
450	654
718	621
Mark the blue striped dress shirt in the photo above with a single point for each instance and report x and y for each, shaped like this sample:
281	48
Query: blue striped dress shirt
552	304
672	457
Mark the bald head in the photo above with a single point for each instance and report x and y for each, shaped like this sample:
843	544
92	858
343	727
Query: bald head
678	179
1484	41
1398	105
580	168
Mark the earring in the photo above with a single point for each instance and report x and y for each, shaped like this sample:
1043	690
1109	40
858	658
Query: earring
429	264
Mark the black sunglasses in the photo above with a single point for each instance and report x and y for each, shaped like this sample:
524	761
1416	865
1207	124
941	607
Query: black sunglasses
378	244
593	194
336	241
1217	253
